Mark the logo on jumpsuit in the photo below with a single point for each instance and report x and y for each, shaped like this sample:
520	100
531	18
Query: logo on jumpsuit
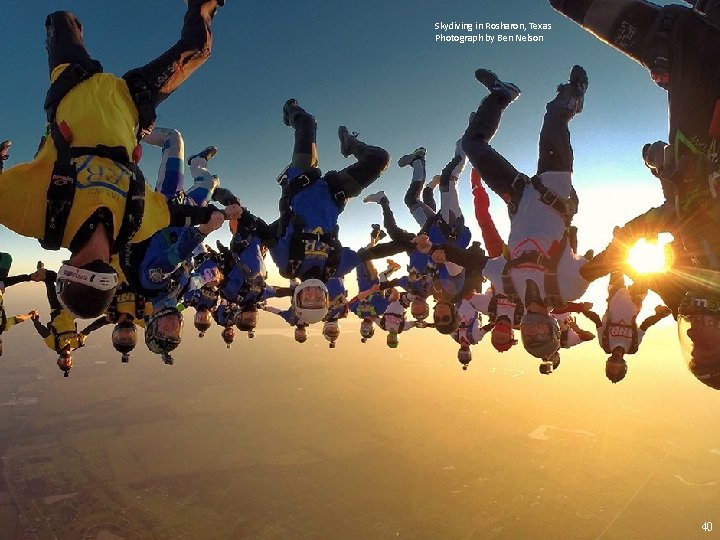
156	275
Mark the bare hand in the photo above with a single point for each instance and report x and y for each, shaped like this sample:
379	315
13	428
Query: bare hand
439	257
422	243
233	211
216	221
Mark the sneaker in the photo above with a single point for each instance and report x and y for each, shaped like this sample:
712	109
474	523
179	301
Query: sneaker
375	197
5	149
207	154
39	265
377	233
347	140
491	81
418	153
286	114
571	95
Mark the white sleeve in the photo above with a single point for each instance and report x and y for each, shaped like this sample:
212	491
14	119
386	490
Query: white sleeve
453	269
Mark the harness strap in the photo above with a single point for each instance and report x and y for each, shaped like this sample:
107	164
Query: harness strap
660	67
142	96
492	309
549	265
605	338
71	76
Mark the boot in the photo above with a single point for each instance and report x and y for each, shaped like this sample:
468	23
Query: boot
571	95
491	81
349	145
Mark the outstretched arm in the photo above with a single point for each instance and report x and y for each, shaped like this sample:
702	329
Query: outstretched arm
95	325
660	313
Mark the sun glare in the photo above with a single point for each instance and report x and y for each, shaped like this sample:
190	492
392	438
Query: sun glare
648	257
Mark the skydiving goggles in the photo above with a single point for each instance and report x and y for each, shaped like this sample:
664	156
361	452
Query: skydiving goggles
97	280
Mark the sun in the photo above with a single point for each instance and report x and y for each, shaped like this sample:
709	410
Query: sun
648	257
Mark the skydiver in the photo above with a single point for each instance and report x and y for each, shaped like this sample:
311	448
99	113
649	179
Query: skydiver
618	331
158	270
542	270
94	125
679	45
61	332
307	245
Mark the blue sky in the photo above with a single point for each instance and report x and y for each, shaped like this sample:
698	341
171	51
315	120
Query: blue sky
373	66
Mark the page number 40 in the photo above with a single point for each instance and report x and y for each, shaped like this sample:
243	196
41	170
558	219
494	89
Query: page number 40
707	526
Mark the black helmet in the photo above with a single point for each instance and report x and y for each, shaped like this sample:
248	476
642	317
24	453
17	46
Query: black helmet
464	355
228	335
124	337
615	369
203	320
246	320
86	291
301	333
158	342
446	324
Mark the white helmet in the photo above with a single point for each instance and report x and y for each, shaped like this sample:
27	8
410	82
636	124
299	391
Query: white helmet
310	301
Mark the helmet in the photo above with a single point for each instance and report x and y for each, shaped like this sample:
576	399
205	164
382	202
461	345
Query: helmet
203	320
540	334
392	340
124	337
367	329
615	369
447	322
331	331
159	339
65	362
300	333
464	355
228	335
699	335
86	291
419	309
502	336
310	301
246	320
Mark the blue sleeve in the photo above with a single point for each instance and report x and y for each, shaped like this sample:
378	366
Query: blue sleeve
349	259
269	292
190	238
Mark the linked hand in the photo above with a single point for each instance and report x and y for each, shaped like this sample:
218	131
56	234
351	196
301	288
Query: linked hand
216	221
233	211
439	257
